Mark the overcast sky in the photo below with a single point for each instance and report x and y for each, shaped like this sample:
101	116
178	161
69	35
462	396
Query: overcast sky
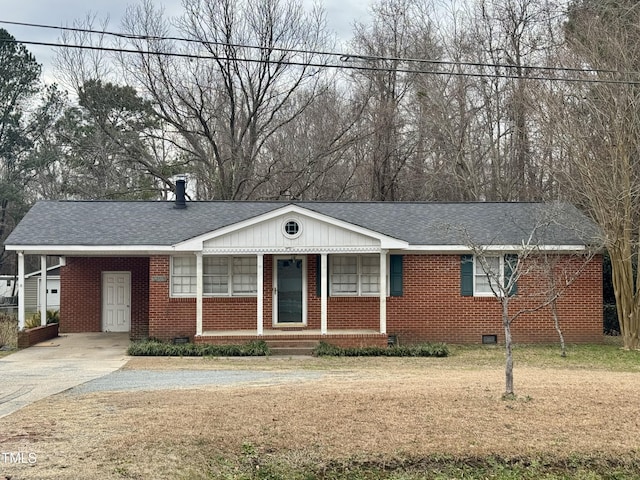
341	15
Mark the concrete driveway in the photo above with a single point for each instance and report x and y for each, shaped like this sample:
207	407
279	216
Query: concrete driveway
56	365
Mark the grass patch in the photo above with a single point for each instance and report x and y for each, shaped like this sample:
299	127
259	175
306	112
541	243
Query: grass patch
251	465
154	348
421	350
592	357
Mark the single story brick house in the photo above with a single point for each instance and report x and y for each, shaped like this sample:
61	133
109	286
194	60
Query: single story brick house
349	273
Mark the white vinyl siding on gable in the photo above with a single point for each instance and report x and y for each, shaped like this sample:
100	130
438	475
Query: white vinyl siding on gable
354	275
221	276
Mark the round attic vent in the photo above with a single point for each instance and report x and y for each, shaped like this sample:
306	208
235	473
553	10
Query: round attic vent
292	228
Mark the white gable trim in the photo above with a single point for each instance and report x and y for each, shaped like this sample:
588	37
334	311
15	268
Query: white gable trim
197	243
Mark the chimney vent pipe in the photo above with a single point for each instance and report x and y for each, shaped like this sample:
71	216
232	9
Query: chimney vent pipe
180	195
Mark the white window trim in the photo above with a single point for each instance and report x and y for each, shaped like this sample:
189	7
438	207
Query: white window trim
490	293
229	293
359	292
172	294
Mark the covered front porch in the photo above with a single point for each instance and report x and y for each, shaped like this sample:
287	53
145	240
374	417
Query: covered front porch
295	294
291	272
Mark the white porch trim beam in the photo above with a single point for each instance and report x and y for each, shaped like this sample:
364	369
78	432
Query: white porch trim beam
260	288
383	291
21	306
43	290
199	292
323	294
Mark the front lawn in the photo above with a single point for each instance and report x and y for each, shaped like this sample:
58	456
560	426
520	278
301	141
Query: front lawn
361	418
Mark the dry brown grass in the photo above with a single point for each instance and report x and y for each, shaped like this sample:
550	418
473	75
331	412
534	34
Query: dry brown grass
378	408
8	331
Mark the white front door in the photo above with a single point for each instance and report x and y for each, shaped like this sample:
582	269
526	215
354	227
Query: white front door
116	301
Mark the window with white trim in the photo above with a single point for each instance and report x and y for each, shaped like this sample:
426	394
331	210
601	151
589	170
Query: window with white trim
354	275
215	273
221	276
183	276
489	275
245	275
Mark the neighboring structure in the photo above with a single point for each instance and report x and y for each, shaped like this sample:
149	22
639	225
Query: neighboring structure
8	297
33	289
348	273
7	283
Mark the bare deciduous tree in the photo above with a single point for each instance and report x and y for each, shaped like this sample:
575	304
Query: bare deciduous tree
224	105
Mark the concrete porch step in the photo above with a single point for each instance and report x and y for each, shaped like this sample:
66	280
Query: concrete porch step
292	347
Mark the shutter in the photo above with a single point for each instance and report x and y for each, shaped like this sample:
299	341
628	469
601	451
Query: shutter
395	275
510	260
466	275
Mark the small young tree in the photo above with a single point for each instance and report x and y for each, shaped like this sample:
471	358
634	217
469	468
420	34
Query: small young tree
535	256
559	278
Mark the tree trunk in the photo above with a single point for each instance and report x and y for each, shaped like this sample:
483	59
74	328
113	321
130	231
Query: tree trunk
508	373
556	323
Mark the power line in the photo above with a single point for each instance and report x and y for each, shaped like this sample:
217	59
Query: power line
345	57
345	66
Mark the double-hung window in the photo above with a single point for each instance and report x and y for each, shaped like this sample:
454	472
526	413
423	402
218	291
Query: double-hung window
183	276
215	271
488	275
221	276
354	275
245	275
484	276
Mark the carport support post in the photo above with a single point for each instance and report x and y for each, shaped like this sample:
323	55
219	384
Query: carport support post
260	288
21	290
199	290
43	290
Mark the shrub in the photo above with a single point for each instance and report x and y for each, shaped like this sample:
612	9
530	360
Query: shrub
53	316
8	331
155	348
421	350
33	321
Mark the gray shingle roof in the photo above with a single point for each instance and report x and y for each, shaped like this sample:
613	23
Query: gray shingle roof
109	223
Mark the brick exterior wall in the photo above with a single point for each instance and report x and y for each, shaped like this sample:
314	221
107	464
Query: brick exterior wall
431	308
81	293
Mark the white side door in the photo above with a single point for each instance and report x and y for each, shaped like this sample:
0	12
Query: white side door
53	293
116	301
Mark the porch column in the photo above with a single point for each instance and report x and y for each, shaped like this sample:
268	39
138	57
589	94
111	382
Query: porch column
260	288
21	291
383	291
199	289
323	294
43	290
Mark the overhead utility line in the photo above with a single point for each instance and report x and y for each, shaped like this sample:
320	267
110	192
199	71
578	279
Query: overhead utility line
347	60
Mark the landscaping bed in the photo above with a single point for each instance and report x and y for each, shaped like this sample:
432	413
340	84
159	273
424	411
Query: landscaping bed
31	336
